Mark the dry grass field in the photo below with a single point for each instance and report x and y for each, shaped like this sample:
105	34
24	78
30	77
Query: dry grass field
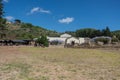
35	63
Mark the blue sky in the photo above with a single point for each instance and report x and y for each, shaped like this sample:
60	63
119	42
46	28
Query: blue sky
65	15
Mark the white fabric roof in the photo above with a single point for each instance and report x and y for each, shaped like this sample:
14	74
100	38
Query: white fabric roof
65	35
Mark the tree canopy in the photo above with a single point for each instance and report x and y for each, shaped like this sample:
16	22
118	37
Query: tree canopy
1	9
43	41
89	32
2	22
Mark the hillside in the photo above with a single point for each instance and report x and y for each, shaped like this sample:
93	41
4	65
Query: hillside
27	31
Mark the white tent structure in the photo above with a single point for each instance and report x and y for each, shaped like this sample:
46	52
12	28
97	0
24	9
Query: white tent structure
72	39
67	39
65	35
56	39
81	40
62	38
75	40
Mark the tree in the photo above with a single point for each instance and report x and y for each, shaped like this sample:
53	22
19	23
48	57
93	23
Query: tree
106	32
1	9
87	32
116	34
43	41
104	40
2	22
17	21
2	28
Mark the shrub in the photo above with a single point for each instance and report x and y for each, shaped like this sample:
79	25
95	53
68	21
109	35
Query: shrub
43	41
104	40
115	40
55	42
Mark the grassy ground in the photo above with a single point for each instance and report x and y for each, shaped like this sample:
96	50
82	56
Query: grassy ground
30	63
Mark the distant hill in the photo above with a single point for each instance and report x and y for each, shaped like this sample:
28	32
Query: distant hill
27	31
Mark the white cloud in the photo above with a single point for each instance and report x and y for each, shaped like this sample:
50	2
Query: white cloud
66	20
5	0
9	18
38	9
44	11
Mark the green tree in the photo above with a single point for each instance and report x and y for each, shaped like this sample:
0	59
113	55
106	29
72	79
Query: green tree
17	21
116	34
106	32
104	40
2	28
43	41
87	32
2	22
1	9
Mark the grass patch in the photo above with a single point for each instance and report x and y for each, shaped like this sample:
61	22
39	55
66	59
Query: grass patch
21	68
33	63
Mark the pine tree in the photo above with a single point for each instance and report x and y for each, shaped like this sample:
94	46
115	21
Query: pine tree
106	32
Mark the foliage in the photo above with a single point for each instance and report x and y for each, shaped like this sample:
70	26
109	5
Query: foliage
17	21
43	41
116	34
106	32
114	39
89	32
55	42
2	22
1	9
104	40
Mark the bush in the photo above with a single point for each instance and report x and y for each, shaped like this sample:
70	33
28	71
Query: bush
104	40
43	41
115	40
55	42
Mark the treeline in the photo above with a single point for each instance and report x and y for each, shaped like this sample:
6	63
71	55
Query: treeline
90	32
